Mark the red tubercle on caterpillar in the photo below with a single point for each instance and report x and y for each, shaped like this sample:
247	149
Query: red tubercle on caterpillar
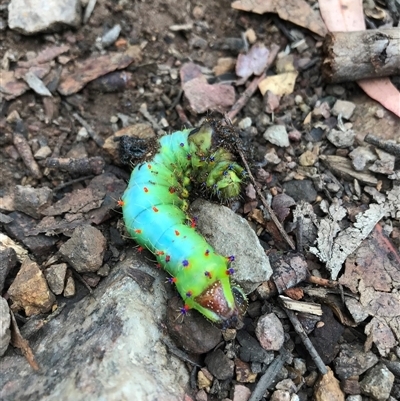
138	231
145	189
184	309
149	166
208	274
160	253
172	280
230	271
120	203
139	249
167	258
172	190
177	233
207	252
193	222
155	209
158	266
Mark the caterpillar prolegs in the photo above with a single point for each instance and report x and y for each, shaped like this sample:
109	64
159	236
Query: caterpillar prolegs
155	206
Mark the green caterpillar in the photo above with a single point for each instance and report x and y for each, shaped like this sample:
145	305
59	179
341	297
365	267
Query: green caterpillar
155	205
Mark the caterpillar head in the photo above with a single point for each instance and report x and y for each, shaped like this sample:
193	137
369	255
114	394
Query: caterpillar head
223	303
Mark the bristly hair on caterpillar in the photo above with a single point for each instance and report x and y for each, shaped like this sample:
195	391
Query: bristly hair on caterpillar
156	216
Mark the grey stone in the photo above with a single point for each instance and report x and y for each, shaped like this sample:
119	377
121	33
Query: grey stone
277	135
32	200
55	277
40	245
245	123
385	164
43	153
341	139
84	251
8	260
219	365
111	36
270	333
377	383
230	234
357	311
69	290
108	346
361	156
34	16
300	190
5	320
343	107
36	84
353	361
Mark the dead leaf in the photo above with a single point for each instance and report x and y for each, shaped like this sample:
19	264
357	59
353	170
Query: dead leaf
342	15
18	341
381	335
376	262
383	91
10	86
79	201
204	97
348	15
95	67
281	84
297	11
254	62
333	245
281	205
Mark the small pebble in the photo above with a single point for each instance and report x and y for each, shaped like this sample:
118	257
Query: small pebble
270	333
198	12
295	136
344	108
308	158
111	36
277	135
361	156
251	36
300	365
341	139
380	113
377	382
43	153
271	157
83	134
245	123
69	290
241	393
333	187
55	276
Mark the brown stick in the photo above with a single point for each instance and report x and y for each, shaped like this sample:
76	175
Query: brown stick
351	56
274	218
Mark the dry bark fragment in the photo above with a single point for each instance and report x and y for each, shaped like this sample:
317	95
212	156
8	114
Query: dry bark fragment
26	154
365	54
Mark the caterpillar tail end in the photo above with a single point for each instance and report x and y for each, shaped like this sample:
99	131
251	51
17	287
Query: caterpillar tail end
215	306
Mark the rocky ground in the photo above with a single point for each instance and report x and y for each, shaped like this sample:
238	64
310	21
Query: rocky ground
316	236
